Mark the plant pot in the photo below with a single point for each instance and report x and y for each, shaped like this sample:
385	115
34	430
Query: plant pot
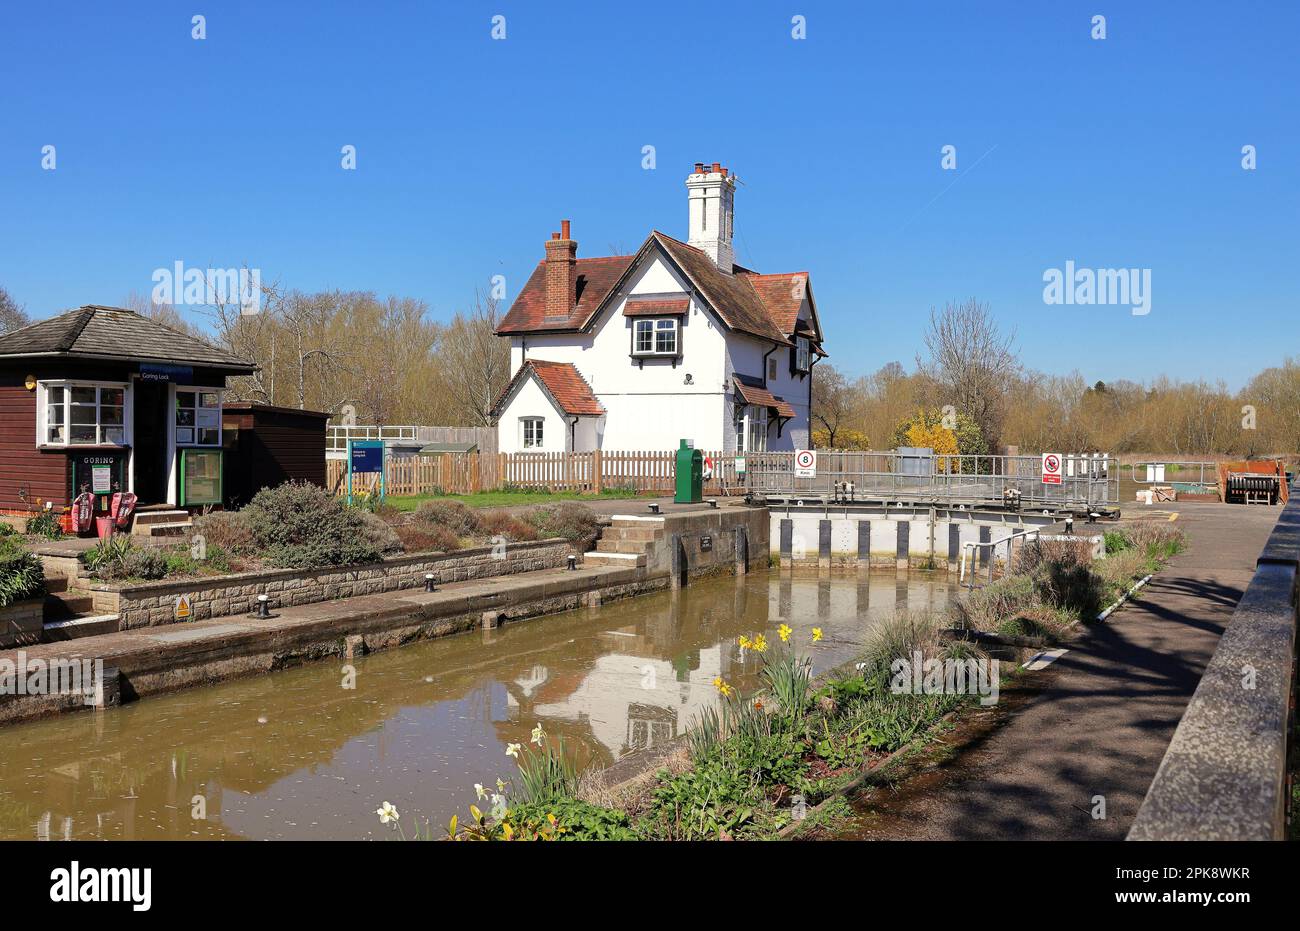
104	527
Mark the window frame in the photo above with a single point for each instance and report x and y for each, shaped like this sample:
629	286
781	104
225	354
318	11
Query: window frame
655	327
68	385
539	432
802	354
177	426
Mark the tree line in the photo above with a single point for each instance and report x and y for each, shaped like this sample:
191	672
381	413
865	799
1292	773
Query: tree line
971	382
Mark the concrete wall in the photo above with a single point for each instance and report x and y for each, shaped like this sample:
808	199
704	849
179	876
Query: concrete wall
899	538
705	542
154	603
21	623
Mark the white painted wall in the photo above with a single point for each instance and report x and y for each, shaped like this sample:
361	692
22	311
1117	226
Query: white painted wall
530	400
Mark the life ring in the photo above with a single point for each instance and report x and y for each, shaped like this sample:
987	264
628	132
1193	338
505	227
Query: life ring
83	512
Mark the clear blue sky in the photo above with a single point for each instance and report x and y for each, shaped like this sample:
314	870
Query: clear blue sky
1122	152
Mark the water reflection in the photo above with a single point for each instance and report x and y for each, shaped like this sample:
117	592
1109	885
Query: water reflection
296	755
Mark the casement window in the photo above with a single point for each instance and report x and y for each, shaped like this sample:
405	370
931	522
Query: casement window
532	432
655	336
198	417
751	429
771	368
81	414
802	354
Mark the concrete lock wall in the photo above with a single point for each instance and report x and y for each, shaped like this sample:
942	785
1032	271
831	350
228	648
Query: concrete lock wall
707	542
894	539
151	604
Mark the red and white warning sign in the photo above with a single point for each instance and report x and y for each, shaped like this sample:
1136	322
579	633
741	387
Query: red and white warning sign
805	463
1051	468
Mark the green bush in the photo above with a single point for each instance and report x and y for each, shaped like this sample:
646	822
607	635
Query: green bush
45	523
21	574
579	820
119	558
299	525
379	533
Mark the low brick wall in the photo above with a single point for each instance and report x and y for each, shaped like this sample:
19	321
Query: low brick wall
150	604
21	622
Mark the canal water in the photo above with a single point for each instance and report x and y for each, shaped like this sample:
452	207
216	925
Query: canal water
295	754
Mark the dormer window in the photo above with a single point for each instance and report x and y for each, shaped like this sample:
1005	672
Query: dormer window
655	336
803	354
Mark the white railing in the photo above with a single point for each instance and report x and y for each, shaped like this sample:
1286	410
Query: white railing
992	545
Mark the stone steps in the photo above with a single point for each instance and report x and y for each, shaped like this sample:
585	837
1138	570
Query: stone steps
623	560
75	628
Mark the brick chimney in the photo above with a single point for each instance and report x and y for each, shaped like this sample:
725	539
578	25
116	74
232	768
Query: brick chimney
561	272
711	189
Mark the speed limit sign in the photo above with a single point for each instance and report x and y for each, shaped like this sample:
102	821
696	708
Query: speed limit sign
805	463
1051	468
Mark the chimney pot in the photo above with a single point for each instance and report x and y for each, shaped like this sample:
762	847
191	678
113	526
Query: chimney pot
717	167
699	168
724	171
564	229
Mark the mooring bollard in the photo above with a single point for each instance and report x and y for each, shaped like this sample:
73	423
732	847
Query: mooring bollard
573	563
654	508
713	503
1069	524
428	582
263	609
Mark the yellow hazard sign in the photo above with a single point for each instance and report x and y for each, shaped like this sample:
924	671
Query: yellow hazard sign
183	607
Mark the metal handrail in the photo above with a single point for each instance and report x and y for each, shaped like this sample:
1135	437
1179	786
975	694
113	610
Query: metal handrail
1200	464
971	546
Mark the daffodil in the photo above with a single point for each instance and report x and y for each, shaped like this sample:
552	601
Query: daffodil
501	786
387	813
539	735
513	750
784	632
745	642
722	687
479	790
817	634
760	643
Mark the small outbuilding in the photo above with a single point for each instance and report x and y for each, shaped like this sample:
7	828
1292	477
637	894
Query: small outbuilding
102	399
267	445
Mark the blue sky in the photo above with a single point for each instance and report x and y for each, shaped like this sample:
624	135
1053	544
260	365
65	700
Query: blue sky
1120	152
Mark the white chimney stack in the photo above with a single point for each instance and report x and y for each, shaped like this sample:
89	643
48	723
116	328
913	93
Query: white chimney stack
712	197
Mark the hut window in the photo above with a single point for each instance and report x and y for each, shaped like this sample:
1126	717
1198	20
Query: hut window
198	417
84	415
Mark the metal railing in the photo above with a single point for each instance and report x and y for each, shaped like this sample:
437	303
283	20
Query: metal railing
992	545
1224	774
1087	482
337	436
1198	472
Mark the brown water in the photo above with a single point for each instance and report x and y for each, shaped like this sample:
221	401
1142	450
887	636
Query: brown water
293	754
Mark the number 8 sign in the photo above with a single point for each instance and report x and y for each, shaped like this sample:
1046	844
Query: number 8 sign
805	463
1051	469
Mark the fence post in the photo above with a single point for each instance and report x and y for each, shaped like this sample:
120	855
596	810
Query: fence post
597	471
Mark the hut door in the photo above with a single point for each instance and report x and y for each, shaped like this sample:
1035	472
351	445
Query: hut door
150	441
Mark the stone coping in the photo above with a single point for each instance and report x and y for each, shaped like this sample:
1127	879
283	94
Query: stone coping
252	577
1223	776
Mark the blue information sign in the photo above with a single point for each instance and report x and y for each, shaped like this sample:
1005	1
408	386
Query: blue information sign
365	456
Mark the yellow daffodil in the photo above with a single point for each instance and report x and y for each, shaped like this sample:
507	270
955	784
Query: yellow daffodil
745	642
817	634
722	687
760	643
387	813
784	632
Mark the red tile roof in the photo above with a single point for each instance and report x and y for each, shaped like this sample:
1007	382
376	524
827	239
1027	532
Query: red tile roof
754	394
766	306
656	307
562	381
595	278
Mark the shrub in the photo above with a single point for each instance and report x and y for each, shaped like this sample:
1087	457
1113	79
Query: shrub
506	525
21	574
379	534
578	820
575	522
419	539
45	523
453	515
300	525
119	558
227	529
1156	540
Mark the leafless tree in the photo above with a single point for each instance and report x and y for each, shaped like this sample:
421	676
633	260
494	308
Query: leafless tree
477	359
832	401
971	362
12	316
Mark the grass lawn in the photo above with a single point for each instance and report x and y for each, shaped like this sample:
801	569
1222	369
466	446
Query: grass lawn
502	499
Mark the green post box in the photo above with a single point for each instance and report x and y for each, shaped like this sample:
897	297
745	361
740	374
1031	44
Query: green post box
690	474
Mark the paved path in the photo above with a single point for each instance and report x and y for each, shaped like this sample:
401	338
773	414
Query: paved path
1106	711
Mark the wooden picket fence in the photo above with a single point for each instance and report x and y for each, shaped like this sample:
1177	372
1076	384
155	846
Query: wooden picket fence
640	471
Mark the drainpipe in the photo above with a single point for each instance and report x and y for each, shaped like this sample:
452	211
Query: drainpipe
774	348
573	435
815	359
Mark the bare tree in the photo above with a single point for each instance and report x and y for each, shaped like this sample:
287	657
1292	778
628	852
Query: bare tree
478	360
971	362
12	316
832	401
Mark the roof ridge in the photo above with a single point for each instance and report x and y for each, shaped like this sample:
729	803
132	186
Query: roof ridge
87	311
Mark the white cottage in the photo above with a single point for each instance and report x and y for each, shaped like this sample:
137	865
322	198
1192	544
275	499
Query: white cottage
635	352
